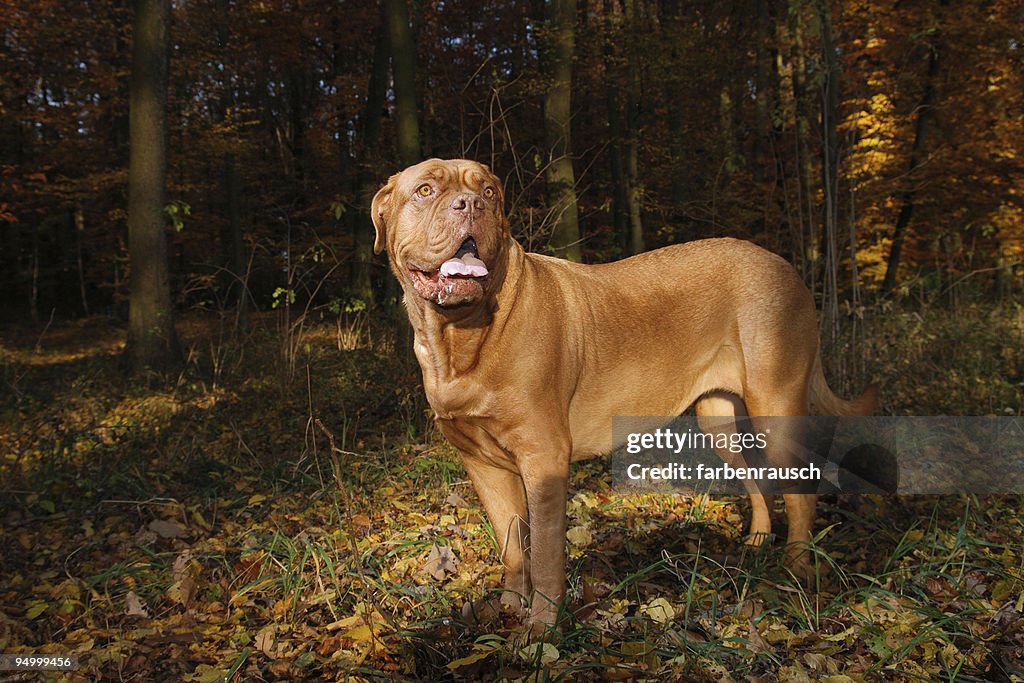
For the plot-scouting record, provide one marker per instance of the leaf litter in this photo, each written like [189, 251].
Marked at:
[192, 533]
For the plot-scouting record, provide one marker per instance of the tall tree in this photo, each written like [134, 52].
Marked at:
[232, 239]
[620, 192]
[403, 68]
[925, 113]
[152, 339]
[634, 195]
[368, 151]
[561, 179]
[403, 65]
[829, 168]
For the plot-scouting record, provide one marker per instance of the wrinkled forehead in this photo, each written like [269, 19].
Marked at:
[450, 174]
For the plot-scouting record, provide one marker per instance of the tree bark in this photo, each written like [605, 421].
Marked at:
[634, 197]
[403, 68]
[795, 99]
[925, 112]
[369, 150]
[829, 173]
[561, 179]
[674, 79]
[152, 339]
[762, 99]
[403, 65]
[232, 240]
[620, 192]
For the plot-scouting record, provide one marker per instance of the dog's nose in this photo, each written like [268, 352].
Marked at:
[467, 202]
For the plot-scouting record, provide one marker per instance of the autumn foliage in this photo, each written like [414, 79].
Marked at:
[808, 127]
[279, 507]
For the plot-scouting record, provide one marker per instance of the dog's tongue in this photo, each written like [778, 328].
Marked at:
[468, 265]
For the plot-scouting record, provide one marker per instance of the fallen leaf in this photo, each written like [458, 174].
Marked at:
[440, 562]
[456, 501]
[134, 606]
[166, 528]
[482, 652]
[543, 653]
[579, 536]
[265, 641]
[35, 608]
[658, 610]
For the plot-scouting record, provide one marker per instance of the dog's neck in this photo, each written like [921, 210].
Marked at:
[449, 340]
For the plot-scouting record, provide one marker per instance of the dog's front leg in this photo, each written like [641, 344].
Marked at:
[504, 498]
[546, 479]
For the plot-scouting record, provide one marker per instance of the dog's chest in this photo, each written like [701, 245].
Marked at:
[457, 398]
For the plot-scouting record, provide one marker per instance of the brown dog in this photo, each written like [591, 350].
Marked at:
[526, 358]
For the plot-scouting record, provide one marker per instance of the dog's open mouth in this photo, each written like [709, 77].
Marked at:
[459, 280]
[464, 263]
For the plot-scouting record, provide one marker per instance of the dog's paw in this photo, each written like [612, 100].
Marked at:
[757, 539]
[541, 630]
[797, 560]
[490, 610]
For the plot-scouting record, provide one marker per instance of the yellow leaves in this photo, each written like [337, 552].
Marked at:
[185, 575]
[35, 608]
[579, 538]
[636, 657]
[659, 610]
[256, 499]
[481, 651]
[540, 653]
[204, 673]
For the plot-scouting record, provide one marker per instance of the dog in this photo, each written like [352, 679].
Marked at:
[526, 358]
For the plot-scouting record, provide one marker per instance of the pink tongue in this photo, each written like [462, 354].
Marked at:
[468, 265]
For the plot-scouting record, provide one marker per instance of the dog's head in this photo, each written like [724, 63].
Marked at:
[444, 227]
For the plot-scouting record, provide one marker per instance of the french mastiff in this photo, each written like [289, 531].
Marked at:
[526, 358]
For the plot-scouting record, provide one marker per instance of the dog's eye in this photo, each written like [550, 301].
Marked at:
[488, 192]
[425, 190]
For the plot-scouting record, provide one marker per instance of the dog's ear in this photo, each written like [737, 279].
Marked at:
[381, 205]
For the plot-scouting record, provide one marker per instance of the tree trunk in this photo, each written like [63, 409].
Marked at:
[676, 107]
[152, 339]
[79, 261]
[925, 112]
[232, 240]
[829, 173]
[369, 150]
[796, 91]
[561, 180]
[620, 192]
[634, 196]
[403, 65]
[762, 99]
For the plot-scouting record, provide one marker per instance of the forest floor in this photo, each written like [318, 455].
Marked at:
[283, 510]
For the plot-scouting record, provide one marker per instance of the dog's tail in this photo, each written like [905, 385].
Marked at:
[827, 403]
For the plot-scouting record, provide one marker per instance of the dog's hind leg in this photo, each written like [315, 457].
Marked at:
[717, 413]
[782, 419]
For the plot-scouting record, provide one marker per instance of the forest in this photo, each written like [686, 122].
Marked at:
[217, 459]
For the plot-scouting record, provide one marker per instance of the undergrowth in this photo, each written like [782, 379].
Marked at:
[241, 523]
